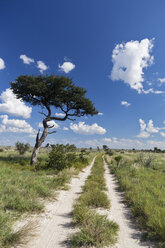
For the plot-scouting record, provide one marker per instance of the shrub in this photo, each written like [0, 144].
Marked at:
[145, 161]
[59, 158]
[118, 159]
[22, 148]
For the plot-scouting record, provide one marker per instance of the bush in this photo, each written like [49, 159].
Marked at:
[22, 148]
[59, 158]
[145, 161]
[118, 159]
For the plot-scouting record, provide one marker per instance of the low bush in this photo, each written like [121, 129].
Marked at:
[22, 148]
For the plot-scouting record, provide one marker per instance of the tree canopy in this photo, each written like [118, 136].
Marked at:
[52, 92]
[56, 91]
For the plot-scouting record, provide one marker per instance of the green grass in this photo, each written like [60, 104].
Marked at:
[95, 230]
[145, 193]
[22, 187]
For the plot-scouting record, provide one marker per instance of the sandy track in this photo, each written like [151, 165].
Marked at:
[129, 235]
[55, 224]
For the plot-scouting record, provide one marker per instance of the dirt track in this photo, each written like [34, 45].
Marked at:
[129, 235]
[55, 223]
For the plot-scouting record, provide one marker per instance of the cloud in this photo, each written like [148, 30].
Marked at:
[11, 105]
[125, 103]
[26, 60]
[161, 80]
[150, 127]
[100, 113]
[15, 125]
[51, 123]
[66, 67]
[107, 140]
[41, 66]
[65, 128]
[129, 59]
[153, 91]
[2, 64]
[162, 134]
[147, 129]
[60, 114]
[83, 128]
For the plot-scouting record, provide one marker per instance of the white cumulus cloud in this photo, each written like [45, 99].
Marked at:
[50, 123]
[125, 103]
[65, 128]
[2, 64]
[60, 114]
[11, 105]
[15, 125]
[41, 66]
[161, 80]
[66, 67]
[129, 59]
[26, 59]
[100, 113]
[83, 128]
[147, 129]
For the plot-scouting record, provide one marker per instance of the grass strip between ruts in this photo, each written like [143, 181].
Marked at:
[94, 229]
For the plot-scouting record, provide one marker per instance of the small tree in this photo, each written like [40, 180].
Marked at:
[105, 147]
[52, 92]
[118, 159]
[22, 148]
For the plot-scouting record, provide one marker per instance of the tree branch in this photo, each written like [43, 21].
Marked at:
[42, 114]
[51, 132]
[37, 137]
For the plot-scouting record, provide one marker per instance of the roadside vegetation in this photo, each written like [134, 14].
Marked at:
[23, 186]
[94, 229]
[141, 176]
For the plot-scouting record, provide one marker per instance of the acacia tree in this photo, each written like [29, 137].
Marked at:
[50, 93]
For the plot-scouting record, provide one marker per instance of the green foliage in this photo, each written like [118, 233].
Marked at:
[105, 147]
[60, 158]
[54, 91]
[145, 160]
[22, 148]
[109, 152]
[118, 159]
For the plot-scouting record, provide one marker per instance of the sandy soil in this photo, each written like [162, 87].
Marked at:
[55, 223]
[129, 235]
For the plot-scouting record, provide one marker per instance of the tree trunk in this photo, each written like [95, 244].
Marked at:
[38, 144]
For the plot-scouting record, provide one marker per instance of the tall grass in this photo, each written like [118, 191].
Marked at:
[145, 193]
[22, 188]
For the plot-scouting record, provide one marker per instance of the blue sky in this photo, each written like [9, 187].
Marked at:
[77, 39]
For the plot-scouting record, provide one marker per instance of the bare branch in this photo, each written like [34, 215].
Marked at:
[51, 132]
[42, 114]
[71, 119]
[51, 126]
